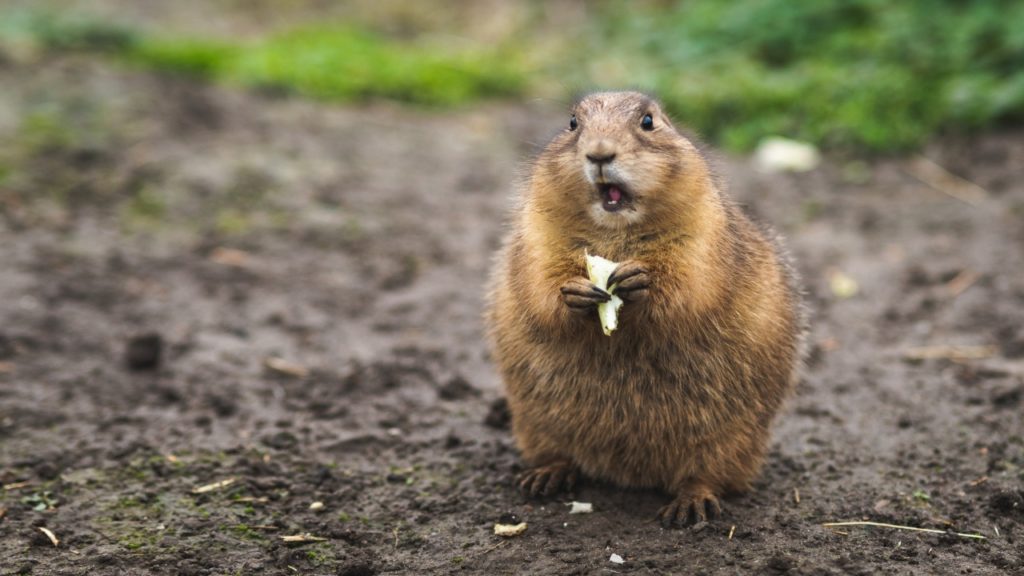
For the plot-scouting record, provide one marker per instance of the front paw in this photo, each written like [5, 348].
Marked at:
[581, 295]
[630, 281]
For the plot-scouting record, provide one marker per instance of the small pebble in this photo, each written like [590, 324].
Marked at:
[143, 352]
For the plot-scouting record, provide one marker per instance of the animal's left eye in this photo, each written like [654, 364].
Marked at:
[647, 123]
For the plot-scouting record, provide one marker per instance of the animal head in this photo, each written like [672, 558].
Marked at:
[621, 162]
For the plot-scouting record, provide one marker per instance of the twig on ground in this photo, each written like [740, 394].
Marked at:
[899, 527]
[286, 367]
[250, 500]
[962, 281]
[302, 538]
[732, 530]
[938, 178]
[950, 352]
[796, 495]
[101, 534]
[214, 486]
[231, 257]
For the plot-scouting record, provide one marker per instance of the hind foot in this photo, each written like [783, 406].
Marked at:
[549, 479]
[694, 503]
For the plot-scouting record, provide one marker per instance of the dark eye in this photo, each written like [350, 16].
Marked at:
[573, 123]
[647, 123]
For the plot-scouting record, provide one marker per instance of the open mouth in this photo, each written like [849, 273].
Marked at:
[614, 197]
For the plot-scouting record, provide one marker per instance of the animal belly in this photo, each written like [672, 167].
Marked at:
[632, 431]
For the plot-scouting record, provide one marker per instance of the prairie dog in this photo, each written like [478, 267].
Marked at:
[681, 397]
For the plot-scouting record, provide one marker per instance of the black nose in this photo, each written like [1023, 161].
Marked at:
[601, 158]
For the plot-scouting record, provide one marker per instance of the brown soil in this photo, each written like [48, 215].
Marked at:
[161, 240]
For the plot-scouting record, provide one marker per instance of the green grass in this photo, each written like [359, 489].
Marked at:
[851, 74]
[329, 62]
[340, 63]
[865, 74]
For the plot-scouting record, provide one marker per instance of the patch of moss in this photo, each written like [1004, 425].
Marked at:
[247, 532]
[145, 210]
[320, 554]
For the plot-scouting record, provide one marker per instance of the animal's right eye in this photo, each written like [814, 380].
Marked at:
[573, 123]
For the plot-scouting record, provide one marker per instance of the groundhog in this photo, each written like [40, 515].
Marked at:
[682, 395]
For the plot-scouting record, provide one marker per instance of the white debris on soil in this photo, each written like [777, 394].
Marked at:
[509, 530]
[316, 506]
[777, 154]
[580, 507]
[49, 534]
[301, 538]
[214, 486]
[841, 284]
[286, 367]
[615, 558]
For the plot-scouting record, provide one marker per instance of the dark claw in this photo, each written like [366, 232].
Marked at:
[580, 294]
[580, 304]
[624, 271]
[592, 292]
[631, 281]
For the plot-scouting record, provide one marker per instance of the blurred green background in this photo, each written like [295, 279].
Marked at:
[861, 75]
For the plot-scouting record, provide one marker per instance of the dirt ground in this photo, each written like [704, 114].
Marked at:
[203, 285]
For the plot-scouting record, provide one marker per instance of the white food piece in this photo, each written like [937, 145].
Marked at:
[509, 530]
[777, 154]
[599, 269]
[615, 558]
[580, 507]
[316, 506]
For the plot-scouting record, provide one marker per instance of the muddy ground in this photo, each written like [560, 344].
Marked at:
[348, 246]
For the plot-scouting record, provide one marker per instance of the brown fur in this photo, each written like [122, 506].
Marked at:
[682, 395]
